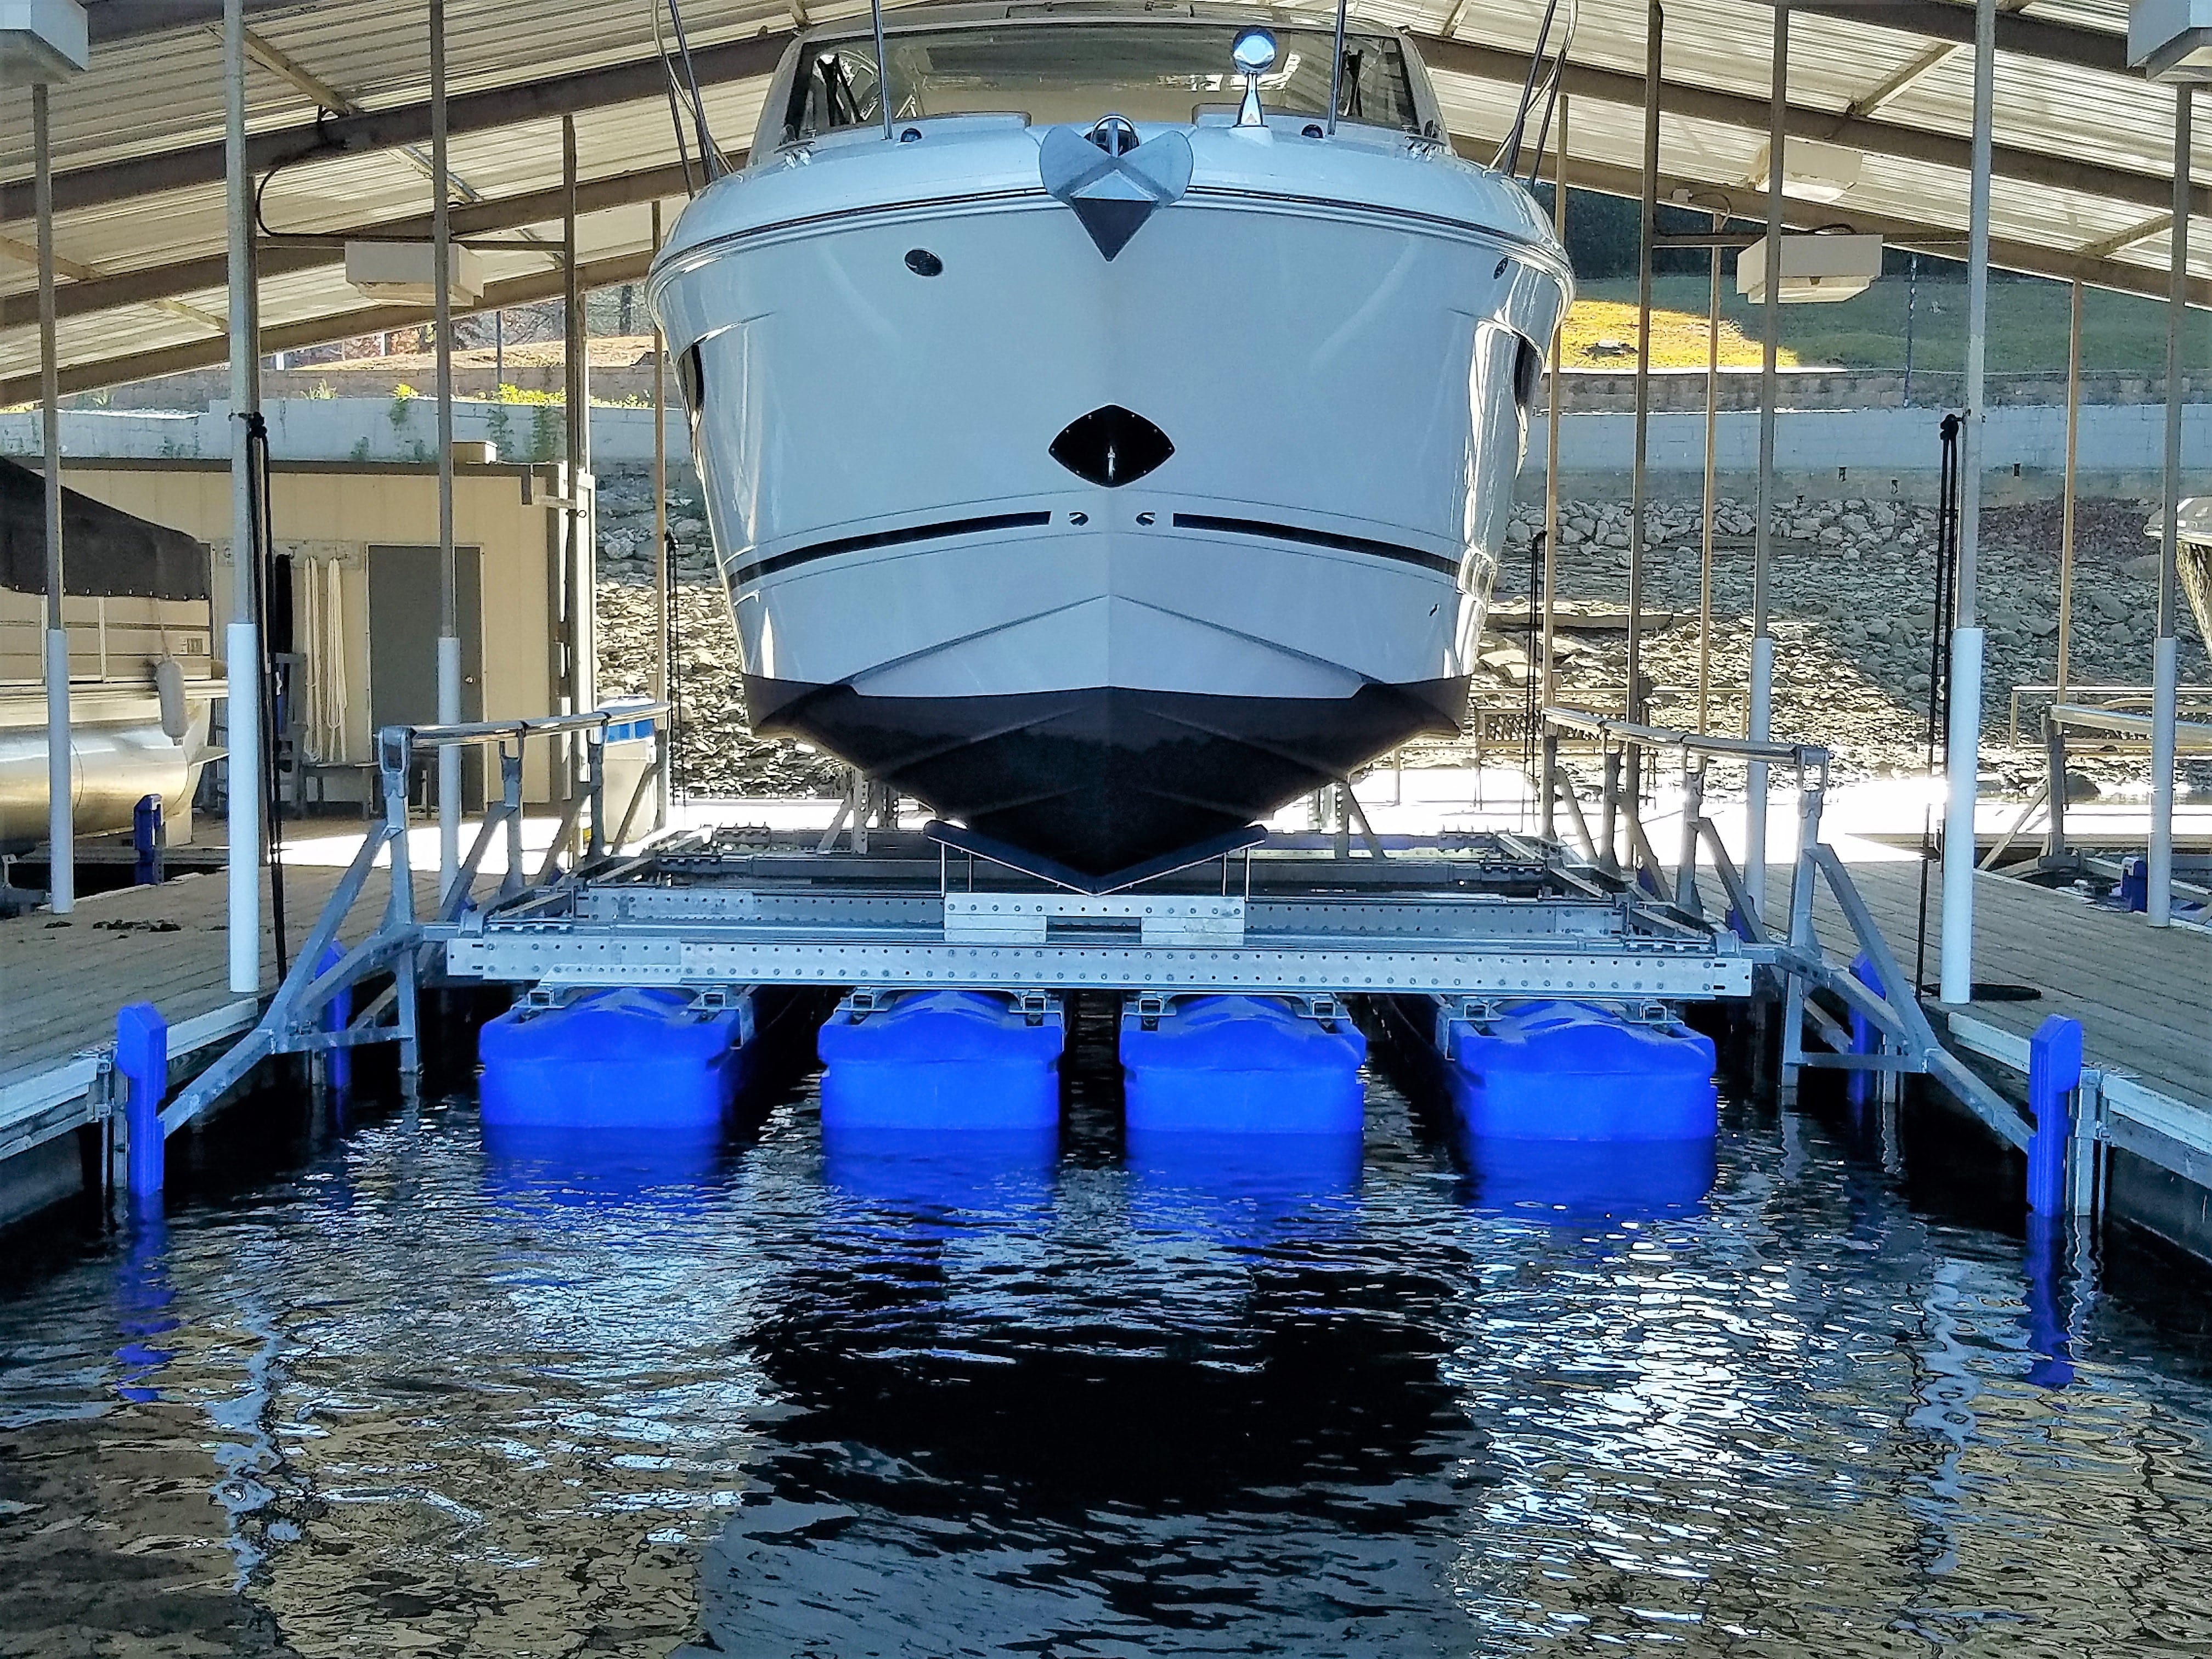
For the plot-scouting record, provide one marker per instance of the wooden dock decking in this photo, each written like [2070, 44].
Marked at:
[2143, 994]
[61, 978]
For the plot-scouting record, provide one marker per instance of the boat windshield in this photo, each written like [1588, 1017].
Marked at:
[1076, 72]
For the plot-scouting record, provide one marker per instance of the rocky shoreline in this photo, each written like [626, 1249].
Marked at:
[1851, 603]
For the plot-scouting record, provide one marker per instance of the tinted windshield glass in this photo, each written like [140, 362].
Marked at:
[1061, 72]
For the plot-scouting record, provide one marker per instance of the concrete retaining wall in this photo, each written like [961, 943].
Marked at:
[1869, 452]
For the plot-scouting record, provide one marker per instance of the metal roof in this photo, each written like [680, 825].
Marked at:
[338, 106]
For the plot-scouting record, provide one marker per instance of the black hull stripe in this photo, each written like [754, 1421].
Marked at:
[1291, 532]
[919, 532]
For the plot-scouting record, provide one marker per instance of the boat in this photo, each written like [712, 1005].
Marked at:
[1105, 444]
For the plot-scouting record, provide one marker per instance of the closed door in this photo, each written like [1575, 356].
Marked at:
[403, 635]
[403, 648]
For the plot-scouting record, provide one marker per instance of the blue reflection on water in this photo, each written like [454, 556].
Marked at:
[446, 1392]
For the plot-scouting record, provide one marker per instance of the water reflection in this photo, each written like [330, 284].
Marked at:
[1571, 1182]
[435, 1393]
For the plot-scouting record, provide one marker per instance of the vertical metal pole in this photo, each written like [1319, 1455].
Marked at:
[1760, 724]
[883, 66]
[61, 778]
[1554, 388]
[1956, 971]
[1655, 25]
[663, 599]
[242, 643]
[449, 607]
[1712, 461]
[2164, 662]
[1336, 71]
[399, 913]
[578, 571]
[2066, 514]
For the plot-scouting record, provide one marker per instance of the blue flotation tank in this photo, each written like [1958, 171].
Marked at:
[1578, 1070]
[639, 1057]
[1241, 1064]
[941, 1059]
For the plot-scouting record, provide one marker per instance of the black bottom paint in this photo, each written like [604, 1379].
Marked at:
[1101, 780]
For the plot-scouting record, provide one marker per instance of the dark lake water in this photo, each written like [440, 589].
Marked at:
[398, 1393]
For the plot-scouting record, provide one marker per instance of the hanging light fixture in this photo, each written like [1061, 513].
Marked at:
[2171, 39]
[41, 40]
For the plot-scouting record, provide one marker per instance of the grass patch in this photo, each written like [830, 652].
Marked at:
[2027, 327]
[1601, 334]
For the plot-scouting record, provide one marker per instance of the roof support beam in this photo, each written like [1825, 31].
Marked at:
[2037, 37]
[26, 305]
[325, 96]
[1747, 115]
[279, 256]
[320, 331]
[1741, 201]
[369, 131]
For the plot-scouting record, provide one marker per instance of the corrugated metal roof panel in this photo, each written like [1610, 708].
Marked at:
[162, 93]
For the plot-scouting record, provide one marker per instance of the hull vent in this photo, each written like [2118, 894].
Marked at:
[1111, 446]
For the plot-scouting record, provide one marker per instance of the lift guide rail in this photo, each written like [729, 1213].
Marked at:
[1488, 917]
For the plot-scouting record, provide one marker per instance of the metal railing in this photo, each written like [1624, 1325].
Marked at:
[301, 1017]
[2111, 728]
[2188, 699]
[1873, 987]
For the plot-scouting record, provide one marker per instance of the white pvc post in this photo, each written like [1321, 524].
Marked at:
[1760, 723]
[1964, 757]
[449, 626]
[61, 779]
[241, 639]
[2165, 660]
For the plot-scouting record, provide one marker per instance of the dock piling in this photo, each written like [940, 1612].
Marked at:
[2054, 1075]
[142, 1058]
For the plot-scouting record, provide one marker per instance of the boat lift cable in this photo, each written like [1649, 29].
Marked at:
[710, 159]
[263, 554]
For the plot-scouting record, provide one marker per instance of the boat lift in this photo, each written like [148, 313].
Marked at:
[1483, 918]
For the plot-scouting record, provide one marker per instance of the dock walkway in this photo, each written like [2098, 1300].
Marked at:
[2143, 994]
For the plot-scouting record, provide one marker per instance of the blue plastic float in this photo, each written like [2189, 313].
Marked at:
[642, 1057]
[1579, 1072]
[1241, 1064]
[941, 1061]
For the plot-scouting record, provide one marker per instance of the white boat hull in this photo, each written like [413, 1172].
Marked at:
[1094, 670]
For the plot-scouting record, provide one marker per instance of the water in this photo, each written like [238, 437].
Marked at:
[393, 1396]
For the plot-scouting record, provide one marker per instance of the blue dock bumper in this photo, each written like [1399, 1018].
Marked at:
[942, 1059]
[636, 1057]
[1241, 1064]
[1577, 1072]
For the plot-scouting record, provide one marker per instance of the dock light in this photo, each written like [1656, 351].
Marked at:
[1812, 268]
[1811, 171]
[41, 40]
[406, 273]
[2171, 39]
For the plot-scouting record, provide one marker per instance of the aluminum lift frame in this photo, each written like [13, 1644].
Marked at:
[1485, 919]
